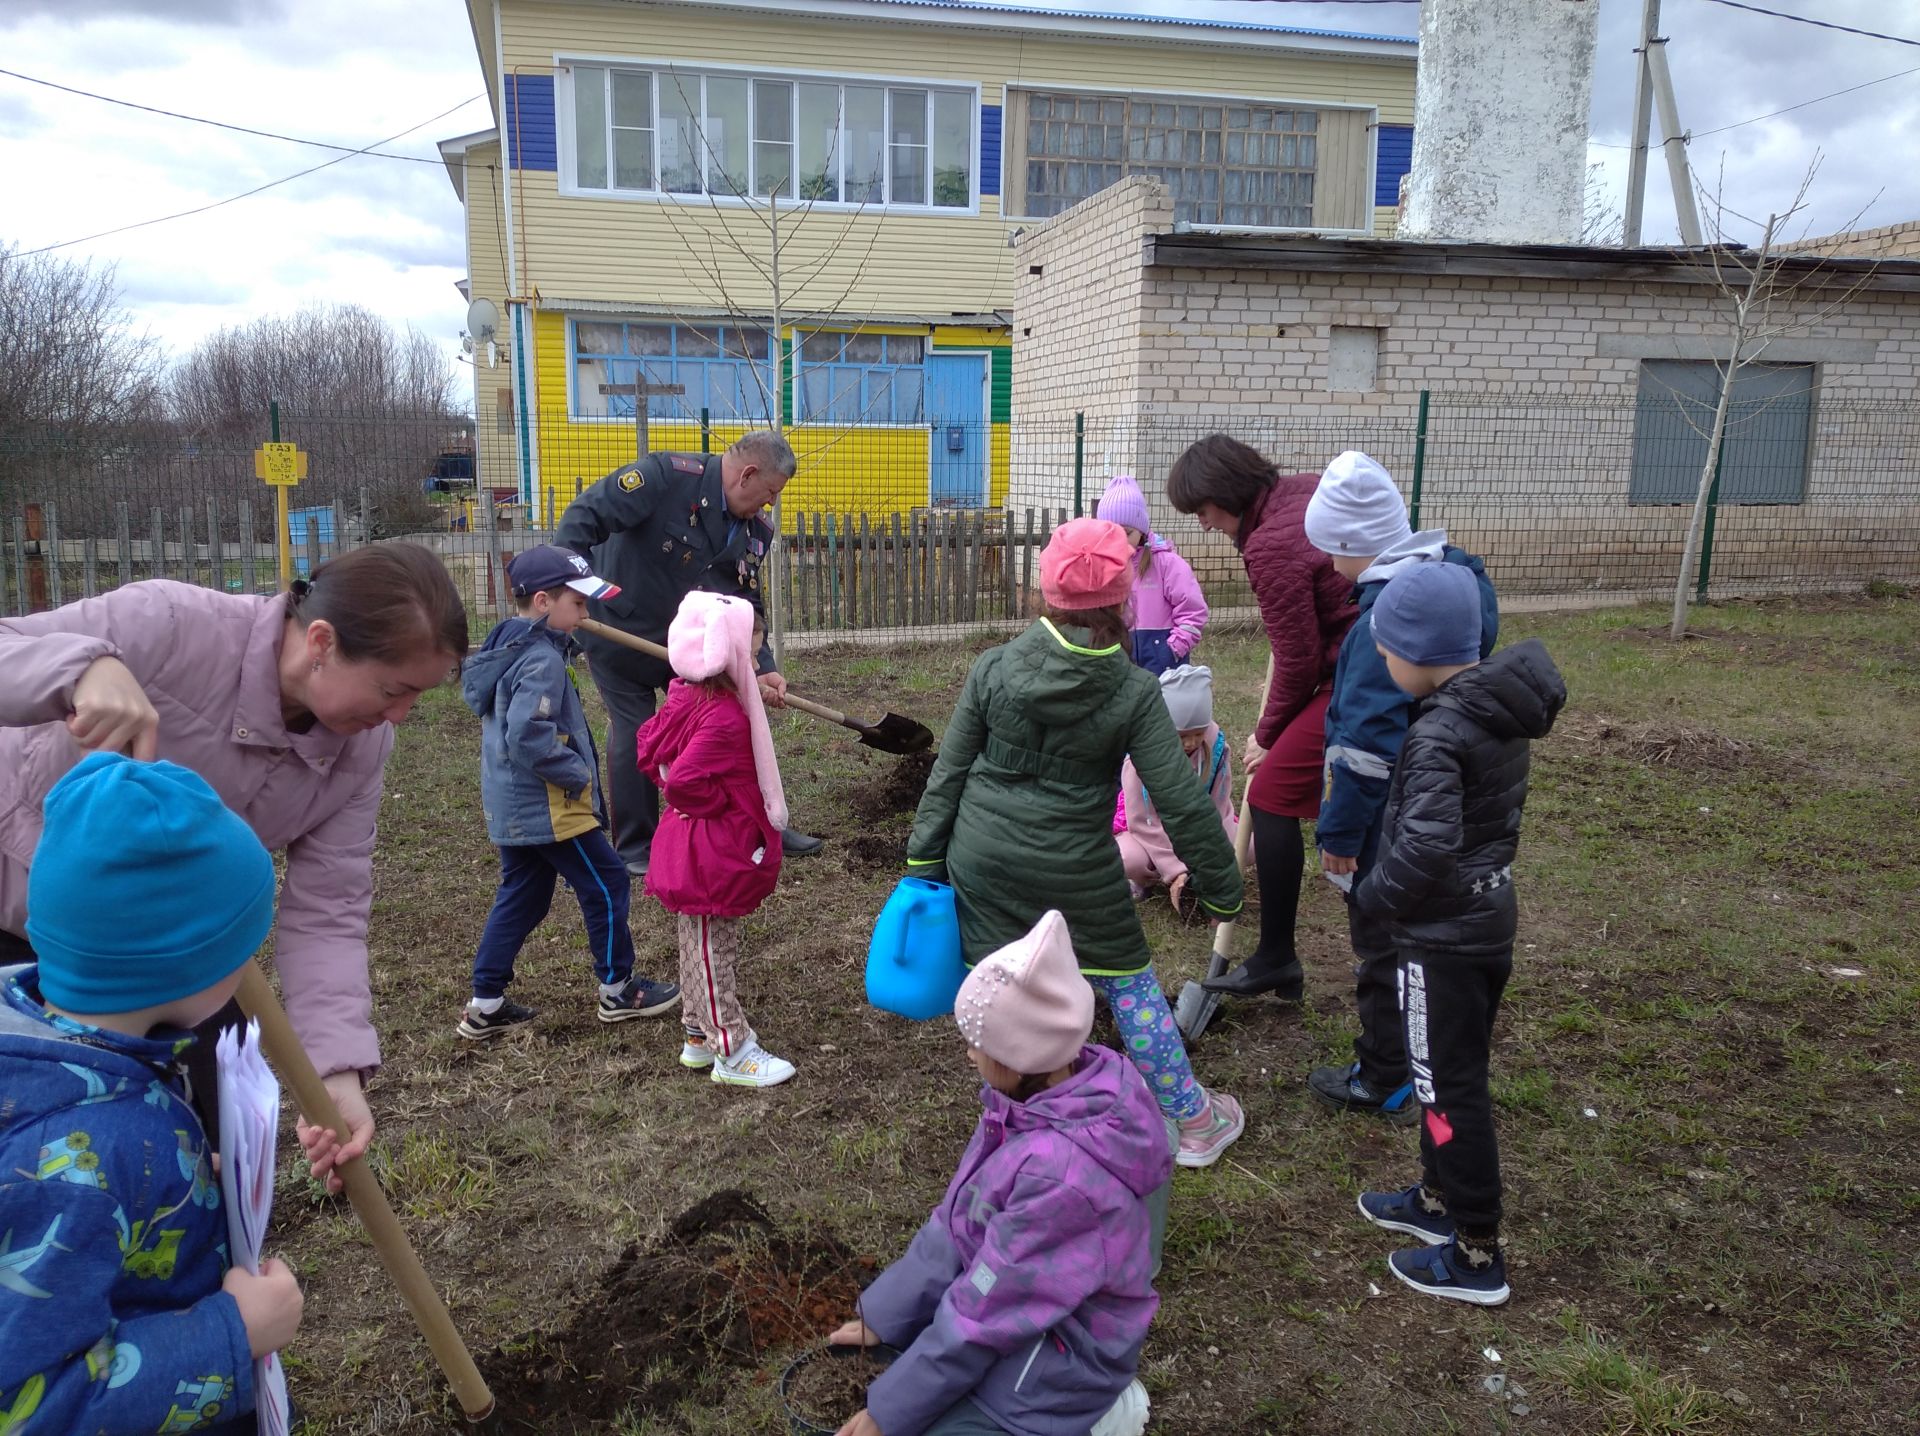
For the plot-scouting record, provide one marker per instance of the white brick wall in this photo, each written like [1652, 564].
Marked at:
[1156, 357]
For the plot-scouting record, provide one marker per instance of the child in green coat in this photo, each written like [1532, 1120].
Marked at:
[1018, 811]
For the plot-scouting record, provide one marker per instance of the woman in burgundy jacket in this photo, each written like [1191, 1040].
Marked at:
[1307, 609]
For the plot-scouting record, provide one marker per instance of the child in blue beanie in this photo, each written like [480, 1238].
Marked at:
[1442, 881]
[118, 1309]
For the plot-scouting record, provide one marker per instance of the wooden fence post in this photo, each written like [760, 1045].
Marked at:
[157, 554]
[25, 574]
[186, 545]
[50, 546]
[313, 546]
[89, 567]
[248, 572]
[123, 535]
[216, 547]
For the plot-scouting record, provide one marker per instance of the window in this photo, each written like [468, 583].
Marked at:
[1225, 162]
[674, 131]
[860, 379]
[727, 370]
[1768, 435]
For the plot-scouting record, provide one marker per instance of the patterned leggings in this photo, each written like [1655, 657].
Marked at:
[1152, 1041]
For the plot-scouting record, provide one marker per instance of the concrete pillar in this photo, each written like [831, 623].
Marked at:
[1500, 121]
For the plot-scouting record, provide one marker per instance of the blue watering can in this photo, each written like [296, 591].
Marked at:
[913, 962]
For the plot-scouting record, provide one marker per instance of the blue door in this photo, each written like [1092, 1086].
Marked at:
[957, 413]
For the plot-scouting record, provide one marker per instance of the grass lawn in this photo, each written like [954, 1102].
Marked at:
[1707, 1075]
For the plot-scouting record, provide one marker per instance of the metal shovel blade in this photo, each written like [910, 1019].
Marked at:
[894, 734]
[1195, 1007]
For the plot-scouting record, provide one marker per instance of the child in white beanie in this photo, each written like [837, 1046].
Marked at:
[1357, 517]
[1145, 849]
[1023, 1303]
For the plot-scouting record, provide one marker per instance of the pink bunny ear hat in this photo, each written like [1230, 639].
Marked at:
[712, 635]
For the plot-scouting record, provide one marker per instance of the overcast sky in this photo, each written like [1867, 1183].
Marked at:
[387, 234]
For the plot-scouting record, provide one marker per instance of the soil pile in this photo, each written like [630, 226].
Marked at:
[722, 1286]
[884, 809]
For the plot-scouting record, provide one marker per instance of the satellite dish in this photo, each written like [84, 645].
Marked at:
[483, 321]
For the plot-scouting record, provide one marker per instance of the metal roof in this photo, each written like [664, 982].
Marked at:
[1194, 21]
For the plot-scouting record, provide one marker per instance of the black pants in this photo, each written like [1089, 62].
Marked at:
[1381, 1047]
[634, 800]
[200, 1064]
[1451, 999]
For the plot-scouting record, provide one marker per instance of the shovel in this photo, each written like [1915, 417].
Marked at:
[1195, 1007]
[892, 734]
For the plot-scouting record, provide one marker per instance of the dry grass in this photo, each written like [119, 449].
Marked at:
[1712, 1141]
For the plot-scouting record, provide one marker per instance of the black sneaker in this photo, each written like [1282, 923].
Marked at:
[1402, 1212]
[478, 1026]
[1344, 1090]
[639, 998]
[1443, 1271]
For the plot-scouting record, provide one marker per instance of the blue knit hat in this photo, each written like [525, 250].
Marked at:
[144, 888]
[1429, 615]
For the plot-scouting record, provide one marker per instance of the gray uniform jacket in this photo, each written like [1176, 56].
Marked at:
[660, 529]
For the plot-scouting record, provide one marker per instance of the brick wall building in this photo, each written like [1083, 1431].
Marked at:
[1887, 241]
[1566, 385]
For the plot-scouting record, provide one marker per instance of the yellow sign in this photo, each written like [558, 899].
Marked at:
[282, 465]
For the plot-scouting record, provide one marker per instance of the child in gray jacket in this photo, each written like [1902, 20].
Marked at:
[540, 782]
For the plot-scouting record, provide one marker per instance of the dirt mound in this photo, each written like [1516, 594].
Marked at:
[723, 1285]
[897, 791]
[1678, 746]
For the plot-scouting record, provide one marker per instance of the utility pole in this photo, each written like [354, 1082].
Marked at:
[1642, 118]
[1676, 143]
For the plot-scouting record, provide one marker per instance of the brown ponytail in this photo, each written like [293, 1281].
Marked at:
[386, 602]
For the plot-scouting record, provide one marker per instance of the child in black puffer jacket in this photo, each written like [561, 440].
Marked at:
[1444, 882]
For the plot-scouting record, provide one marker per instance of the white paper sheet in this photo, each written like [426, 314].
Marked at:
[249, 1127]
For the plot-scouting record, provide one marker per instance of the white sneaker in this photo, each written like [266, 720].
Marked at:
[696, 1055]
[753, 1067]
[1127, 1416]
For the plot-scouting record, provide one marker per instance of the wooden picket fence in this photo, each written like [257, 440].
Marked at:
[927, 568]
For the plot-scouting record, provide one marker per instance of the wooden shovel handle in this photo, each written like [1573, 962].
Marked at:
[644, 645]
[396, 1253]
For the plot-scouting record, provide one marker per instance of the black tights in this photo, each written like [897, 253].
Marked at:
[1279, 854]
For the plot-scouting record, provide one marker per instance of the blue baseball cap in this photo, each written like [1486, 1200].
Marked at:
[550, 566]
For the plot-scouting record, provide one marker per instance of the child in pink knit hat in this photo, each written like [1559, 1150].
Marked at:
[1018, 810]
[1168, 610]
[1024, 1301]
[716, 854]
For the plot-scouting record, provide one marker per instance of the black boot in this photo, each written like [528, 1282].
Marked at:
[796, 844]
[1255, 977]
[1279, 854]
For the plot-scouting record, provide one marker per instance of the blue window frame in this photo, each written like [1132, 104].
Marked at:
[860, 379]
[727, 369]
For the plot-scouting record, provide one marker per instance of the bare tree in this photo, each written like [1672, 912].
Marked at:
[340, 359]
[71, 360]
[1762, 301]
[1601, 224]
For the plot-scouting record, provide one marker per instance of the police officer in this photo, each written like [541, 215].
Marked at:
[661, 528]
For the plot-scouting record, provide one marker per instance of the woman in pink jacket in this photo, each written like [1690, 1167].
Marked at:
[716, 853]
[285, 705]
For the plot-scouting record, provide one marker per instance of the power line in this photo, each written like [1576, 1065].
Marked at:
[1770, 114]
[1721, 129]
[1809, 20]
[217, 124]
[247, 194]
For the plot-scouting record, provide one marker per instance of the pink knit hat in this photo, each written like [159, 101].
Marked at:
[711, 635]
[1088, 563]
[1027, 1004]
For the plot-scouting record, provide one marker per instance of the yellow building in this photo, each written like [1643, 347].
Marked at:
[804, 210]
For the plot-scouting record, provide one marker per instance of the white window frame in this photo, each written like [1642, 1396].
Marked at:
[1028, 85]
[662, 71]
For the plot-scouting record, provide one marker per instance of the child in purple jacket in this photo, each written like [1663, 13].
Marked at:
[1022, 1304]
[1168, 609]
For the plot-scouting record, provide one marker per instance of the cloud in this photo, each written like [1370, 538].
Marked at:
[174, 12]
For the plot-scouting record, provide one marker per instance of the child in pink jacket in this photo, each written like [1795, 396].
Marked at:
[1023, 1302]
[716, 854]
[1145, 849]
[1168, 608]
